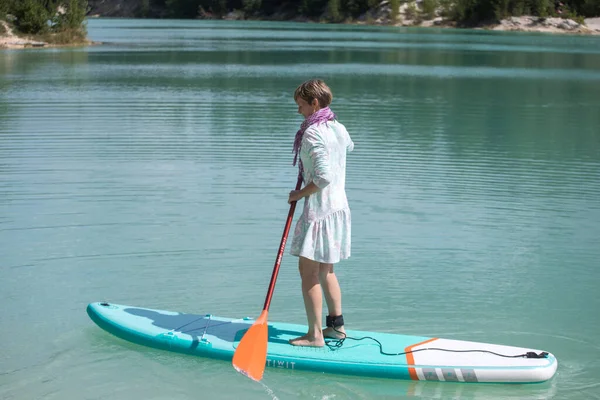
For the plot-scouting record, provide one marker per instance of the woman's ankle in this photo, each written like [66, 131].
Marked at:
[334, 321]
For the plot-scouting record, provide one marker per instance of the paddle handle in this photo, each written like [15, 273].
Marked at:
[286, 230]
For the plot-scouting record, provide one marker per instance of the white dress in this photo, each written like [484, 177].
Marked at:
[323, 231]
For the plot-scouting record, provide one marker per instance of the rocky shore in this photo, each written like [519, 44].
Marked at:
[549, 25]
[9, 40]
[381, 15]
[409, 17]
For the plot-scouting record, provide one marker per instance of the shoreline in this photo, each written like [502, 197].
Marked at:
[413, 17]
[9, 41]
[591, 26]
[530, 24]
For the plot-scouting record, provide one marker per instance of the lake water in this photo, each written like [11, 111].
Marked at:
[153, 170]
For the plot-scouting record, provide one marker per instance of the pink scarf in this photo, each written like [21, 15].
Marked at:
[323, 115]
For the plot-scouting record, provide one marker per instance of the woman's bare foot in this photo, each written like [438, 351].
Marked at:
[308, 341]
[338, 333]
[298, 338]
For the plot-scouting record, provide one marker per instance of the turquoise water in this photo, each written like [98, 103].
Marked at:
[153, 170]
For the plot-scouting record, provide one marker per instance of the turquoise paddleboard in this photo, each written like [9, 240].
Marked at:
[421, 358]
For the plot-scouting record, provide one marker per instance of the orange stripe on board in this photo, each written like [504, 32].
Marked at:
[410, 358]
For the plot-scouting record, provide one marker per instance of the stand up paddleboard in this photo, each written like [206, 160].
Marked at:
[383, 355]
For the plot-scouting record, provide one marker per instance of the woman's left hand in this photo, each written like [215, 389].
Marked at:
[294, 196]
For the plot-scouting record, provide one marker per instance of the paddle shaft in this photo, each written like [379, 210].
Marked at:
[286, 230]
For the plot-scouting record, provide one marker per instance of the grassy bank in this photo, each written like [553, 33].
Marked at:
[65, 37]
[26, 23]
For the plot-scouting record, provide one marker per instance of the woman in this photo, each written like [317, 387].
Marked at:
[322, 234]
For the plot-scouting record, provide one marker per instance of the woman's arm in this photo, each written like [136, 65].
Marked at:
[320, 159]
[306, 191]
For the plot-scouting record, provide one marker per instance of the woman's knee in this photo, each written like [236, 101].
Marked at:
[308, 268]
[324, 270]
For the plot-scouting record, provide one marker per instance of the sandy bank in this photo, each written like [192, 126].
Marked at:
[11, 41]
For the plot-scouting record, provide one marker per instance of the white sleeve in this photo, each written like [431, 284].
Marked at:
[319, 154]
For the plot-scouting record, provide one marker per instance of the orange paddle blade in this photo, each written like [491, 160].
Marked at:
[251, 354]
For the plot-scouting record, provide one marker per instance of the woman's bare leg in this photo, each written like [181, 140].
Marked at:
[333, 297]
[313, 303]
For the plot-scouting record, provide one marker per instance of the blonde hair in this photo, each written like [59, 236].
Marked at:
[314, 89]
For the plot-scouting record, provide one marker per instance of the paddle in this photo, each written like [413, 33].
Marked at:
[251, 354]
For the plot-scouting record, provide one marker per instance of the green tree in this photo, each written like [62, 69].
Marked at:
[473, 11]
[31, 16]
[219, 7]
[144, 9]
[347, 7]
[333, 7]
[541, 7]
[312, 8]
[73, 17]
[182, 8]
[590, 8]
[429, 7]
[501, 9]
[5, 5]
[268, 7]
[395, 10]
[251, 6]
